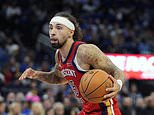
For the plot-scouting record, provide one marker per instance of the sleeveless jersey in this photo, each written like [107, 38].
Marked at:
[71, 72]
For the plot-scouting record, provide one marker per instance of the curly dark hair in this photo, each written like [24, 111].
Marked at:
[78, 33]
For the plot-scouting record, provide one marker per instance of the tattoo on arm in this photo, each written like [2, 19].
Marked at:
[53, 77]
[97, 59]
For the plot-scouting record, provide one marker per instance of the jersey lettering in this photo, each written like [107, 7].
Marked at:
[68, 72]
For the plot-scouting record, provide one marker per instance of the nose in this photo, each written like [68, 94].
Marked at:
[52, 32]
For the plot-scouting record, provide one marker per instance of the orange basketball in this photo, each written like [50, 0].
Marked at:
[93, 85]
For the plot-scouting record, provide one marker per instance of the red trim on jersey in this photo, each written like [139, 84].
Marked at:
[73, 76]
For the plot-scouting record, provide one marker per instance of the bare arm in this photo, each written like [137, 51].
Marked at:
[97, 59]
[52, 77]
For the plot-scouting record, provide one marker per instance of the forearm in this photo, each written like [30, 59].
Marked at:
[53, 77]
[45, 76]
[119, 74]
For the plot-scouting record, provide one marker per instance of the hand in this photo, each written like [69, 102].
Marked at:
[29, 73]
[113, 90]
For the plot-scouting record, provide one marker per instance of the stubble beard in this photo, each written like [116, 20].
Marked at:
[58, 45]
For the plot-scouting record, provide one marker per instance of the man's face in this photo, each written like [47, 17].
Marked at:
[59, 34]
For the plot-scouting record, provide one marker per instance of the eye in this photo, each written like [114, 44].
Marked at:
[50, 27]
[59, 27]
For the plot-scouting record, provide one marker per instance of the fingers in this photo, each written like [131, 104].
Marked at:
[110, 89]
[23, 76]
[113, 90]
[112, 78]
[113, 93]
[110, 95]
[27, 73]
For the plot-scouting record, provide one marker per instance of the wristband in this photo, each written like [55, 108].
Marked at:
[120, 83]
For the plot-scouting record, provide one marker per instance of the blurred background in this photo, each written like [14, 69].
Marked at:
[117, 27]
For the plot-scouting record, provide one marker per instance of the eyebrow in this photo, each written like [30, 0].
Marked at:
[56, 24]
[59, 25]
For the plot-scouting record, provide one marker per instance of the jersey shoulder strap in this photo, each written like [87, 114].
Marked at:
[71, 54]
[74, 51]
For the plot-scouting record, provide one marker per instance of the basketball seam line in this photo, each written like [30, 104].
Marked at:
[95, 97]
[89, 83]
[82, 86]
[97, 87]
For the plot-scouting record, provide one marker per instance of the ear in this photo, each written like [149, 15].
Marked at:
[71, 33]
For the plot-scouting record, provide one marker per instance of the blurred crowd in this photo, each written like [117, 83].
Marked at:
[114, 26]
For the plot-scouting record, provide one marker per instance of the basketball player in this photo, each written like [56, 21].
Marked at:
[73, 59]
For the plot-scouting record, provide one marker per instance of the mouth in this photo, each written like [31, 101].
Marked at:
[54, 41]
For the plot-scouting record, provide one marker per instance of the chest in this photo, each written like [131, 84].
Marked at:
[69, 70]
[77, 61]
[72, 67]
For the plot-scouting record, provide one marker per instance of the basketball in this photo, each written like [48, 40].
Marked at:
[93, 85]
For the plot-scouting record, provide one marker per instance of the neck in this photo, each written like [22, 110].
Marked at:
[67, 46]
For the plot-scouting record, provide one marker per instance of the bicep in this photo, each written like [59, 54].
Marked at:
[98, 60]
[104, 63]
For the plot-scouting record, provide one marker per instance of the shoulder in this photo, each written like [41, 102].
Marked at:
[87, 47]
[87, 52]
